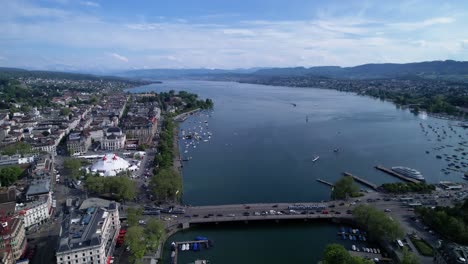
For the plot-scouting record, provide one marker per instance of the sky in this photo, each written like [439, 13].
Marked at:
[114, 35]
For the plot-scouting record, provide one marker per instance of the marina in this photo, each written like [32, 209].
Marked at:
[195, 245]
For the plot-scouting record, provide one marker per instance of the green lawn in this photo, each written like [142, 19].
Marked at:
[422, 247]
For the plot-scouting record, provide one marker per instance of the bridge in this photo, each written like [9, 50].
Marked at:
[259, 212]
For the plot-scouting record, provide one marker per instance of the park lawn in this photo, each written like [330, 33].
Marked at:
[422, 247]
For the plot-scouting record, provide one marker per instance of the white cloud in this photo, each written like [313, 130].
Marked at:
[424, 23]
[90, 3]
[119, 57]
[170, 43]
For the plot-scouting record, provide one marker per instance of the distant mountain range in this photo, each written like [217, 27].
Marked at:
[448, 69]
[177, 73]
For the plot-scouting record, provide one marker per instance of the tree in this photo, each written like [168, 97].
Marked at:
[409, 258]
[166, 184]
[379, 225]
[133, 216]
[9, 175]
[121, 187]
[65, 111]
[17, 148]
[135, 240]
[73, 167]
[344, 188]
[155, 232]
[337, 254]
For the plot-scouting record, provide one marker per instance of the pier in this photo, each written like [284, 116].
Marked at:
[361, 180]
[177, 244]
[325, 182]
[398, 175]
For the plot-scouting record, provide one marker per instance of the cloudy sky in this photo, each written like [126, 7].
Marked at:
[116, 35]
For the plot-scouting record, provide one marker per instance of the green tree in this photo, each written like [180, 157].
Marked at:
[65, 111]
[379, 225]
[337, 254]
[8, 175]
[409, 258]
[133, 216]
[166, 184]
[155, 232]
[17, 148]
[72, 166]
[344, 188]
[135, 240]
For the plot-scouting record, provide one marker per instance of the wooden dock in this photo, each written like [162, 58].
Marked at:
[361, 180]
[177, 244]
[325, 182]
[398, 175]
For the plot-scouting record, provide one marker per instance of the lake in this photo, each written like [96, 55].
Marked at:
[263, 140]
[262, 146]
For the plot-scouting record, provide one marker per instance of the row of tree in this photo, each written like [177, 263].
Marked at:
[401, 187]
[166, 184]
[450, 222]
[21, 148]
[119, 187]
[141, 239]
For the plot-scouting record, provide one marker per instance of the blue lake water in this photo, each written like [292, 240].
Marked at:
[262, 145]
[261, 150]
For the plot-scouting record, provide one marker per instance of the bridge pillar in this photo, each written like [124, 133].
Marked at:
[186, 225]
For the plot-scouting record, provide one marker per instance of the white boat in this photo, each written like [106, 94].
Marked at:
[316, 158]
[183, 247]
[354, 247]
[187, 246]
[408, 172]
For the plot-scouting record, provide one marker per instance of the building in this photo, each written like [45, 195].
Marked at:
[89, 236]
[35, 212]
[114, 139]
[78, 143]
[12, 239]
[140, 128]
[450, 253]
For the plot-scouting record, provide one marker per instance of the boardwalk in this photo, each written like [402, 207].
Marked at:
[398, 175]
[361, 180]
[184, 116]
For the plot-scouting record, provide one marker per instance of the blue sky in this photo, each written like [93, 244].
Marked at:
[103, 35]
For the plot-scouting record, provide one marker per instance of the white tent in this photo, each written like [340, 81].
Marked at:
[110, 165]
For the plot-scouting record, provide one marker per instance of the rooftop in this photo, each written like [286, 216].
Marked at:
[83, 229]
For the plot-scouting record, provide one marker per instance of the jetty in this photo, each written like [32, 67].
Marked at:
[361, 180]
[326, 182]
[396, 174]
[199, 242]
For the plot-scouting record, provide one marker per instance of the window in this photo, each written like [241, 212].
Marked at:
[83, 254]
[69, 258]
